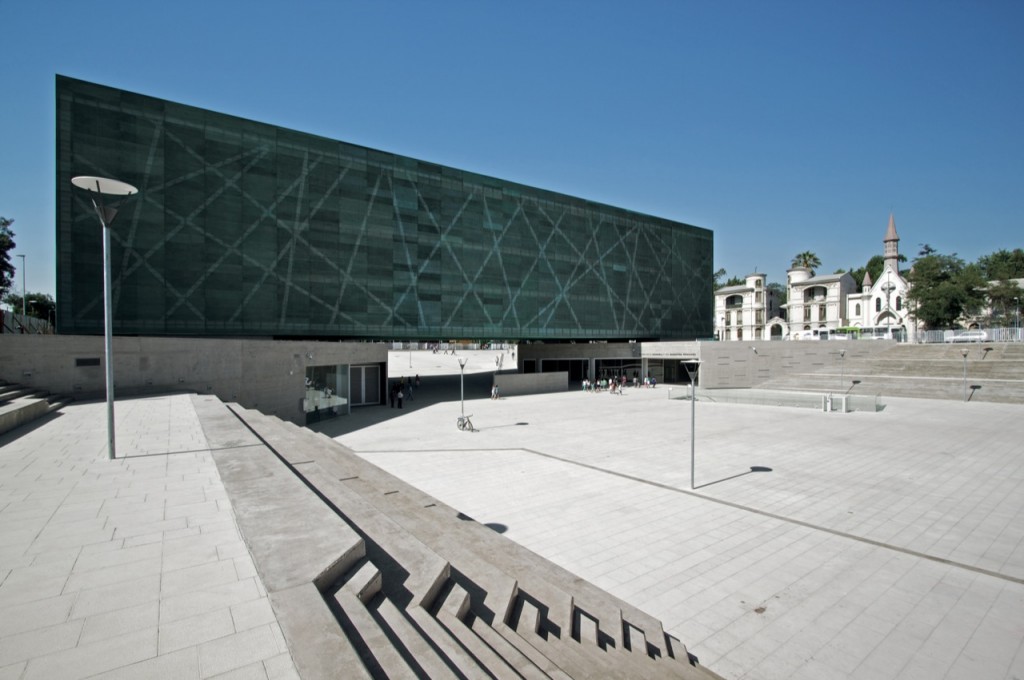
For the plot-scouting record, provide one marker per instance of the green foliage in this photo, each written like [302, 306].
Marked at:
[808, 260]
[944, 288]
[1004, 297]
[1002, 265]
[735, 281]
[781, 295]
[719, 275]
[39, 305]
[6, 246]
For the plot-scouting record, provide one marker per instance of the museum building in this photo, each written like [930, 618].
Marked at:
[243, 229]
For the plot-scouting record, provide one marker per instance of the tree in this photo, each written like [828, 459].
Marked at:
[39, 305]
[735, 281]
[943, 288]
[807, 260]
[1003, 299]
[1002, 265]
[6, 246]
[718, 276]
[780, 292]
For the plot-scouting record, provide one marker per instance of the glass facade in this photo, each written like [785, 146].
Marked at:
[247, 229]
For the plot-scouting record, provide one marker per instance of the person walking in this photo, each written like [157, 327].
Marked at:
[401, 395]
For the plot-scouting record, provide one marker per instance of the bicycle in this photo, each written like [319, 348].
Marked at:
[464, 423]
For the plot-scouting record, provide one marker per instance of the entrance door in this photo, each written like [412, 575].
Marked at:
[365, 385]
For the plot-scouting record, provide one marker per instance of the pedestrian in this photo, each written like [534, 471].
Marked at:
[392, 394]
[494, 391]
[409, 389]
[417, 381]
[401, 396]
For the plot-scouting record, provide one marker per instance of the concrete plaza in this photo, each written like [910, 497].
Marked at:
[878, 545]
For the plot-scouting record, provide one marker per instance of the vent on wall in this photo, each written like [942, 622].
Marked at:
[87, 361]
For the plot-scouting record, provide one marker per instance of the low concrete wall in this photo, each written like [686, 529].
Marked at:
[746, 364]
[512, 384]
[268, 375]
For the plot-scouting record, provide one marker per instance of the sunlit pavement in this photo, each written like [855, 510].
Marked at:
[815, 545]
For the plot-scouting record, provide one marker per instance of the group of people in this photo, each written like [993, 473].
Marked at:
[615, 385]
[402, 389]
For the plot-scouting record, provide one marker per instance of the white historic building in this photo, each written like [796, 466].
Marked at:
[816, 302]
[883, 303]
[746, 312]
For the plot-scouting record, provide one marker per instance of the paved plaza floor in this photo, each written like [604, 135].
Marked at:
[815, 545]
[131, 568]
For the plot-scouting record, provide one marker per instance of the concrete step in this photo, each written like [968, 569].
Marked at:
[434, 654]
[379, 652]
[502, 635]
[22, 410]
[451, 614]
[487, 554]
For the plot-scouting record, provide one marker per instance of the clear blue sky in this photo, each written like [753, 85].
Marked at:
[783, 126]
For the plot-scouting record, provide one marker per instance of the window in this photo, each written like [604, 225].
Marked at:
[878, 304]
[807, 313]
[856, 310]
[822, 310]
[757, 283]
[899, 303]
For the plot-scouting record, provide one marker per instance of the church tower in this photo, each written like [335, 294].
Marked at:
[892, 246]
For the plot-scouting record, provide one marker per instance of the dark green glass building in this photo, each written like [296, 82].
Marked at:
[247, 229]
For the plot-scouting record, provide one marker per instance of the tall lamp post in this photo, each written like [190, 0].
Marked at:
[964, 352]
[462, 385]
[842, 368]
[22, 289]
[693, 373]
[100, 187]
[1016, 312]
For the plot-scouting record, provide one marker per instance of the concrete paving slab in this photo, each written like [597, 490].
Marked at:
[905, 524]
[125, 568]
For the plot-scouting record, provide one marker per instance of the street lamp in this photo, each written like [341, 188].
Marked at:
[842, 368]
[693, 373]
[100, 187]
[22, 290]
[462, 385]
[964, 353]
[1016, 306]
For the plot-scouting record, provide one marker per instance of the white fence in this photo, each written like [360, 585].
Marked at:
[971, 335]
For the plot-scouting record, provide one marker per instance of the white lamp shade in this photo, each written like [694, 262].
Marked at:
[104, 185]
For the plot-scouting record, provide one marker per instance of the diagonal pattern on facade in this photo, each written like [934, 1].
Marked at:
[243, 228]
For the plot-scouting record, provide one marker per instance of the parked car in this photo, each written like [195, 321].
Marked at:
[973, 335]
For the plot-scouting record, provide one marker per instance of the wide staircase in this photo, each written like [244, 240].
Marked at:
[994, 372]
[21, 405]
[372, 578]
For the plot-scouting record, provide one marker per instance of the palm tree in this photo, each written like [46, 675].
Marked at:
[808, 260]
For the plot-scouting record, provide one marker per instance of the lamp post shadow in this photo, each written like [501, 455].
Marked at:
[753, 469]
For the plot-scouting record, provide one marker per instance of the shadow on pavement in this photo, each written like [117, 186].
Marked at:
[755, 468]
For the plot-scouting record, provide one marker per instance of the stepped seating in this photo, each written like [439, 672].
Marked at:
[415, 588]
[922, 371]
[21, 405]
